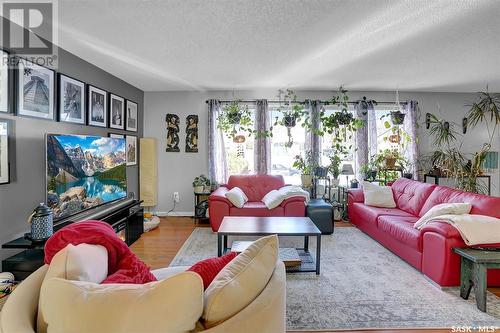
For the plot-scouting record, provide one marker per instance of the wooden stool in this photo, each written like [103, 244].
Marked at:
[474, 265]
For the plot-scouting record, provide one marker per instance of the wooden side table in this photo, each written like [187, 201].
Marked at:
[199, 198]
[474, 266]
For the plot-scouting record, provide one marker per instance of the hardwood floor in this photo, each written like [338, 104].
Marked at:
[158, 247]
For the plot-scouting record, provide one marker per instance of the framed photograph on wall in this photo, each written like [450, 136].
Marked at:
[97, 107]
[116, 112]
[116, 136]
[35, 90]
[71, 100]
[4, 152]
[131, 144]
[4, 82]
[131, 116]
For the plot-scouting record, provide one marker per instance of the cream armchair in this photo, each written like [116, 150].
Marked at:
[266, 314]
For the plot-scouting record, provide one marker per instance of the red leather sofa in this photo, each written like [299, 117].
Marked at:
[429, 250]
[255, 187]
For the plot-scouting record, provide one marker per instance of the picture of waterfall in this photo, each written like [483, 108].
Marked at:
[36, 91]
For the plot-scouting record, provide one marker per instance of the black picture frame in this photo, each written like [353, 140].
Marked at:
[5, 138]
[134, 138]
[83, 106]
[131, 126]
[115, 97]
[21, 64]
[90, 108]
[5, 82]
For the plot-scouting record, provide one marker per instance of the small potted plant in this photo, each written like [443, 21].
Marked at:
[304, 165]
[334, 169]
[199, 184]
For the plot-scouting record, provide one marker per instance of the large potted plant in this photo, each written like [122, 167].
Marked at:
[334, 169]
[305, 166]
[200, 183]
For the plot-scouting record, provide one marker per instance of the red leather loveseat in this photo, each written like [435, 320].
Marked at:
[255, 188]
[429, 250]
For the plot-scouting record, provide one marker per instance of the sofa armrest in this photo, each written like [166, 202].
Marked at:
[220, 195]
[442, 228]
[356, 195]
[292, 199]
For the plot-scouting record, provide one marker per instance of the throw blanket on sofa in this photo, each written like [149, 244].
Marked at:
[474, 229]
[275, 197]
[123, 265]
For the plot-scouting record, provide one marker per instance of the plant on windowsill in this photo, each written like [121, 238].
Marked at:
[292, 112]
[305, 165]
[200, 183]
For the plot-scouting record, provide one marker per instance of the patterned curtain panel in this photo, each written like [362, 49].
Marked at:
[372, 130]
[262, 148]
[361, 141]
[217, 164]
[410, 127]
[313, 141]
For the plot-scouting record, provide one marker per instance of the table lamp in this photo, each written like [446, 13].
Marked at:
[347, 170]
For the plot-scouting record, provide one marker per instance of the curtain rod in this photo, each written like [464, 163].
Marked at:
[302, 102]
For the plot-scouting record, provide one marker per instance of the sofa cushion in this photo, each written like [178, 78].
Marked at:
[378, 196]
[256, 186]
[236, 196]
[209, 268]
[241, 281]
[411, 195]
[401, 228]
[256, 208]
[371, 214]
[171, 305]
[273, 199]
[481, 204]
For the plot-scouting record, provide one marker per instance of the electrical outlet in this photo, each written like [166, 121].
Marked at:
[177, 197]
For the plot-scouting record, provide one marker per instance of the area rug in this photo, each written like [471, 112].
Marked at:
[362, 285]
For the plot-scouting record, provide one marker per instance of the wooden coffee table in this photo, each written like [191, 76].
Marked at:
[281, 226]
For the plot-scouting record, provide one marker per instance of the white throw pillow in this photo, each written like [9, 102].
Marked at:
[273, 199]
[457, 208]
[241, 281]
[236, 196]
[378, 196]
[83, 262]
[173, 305]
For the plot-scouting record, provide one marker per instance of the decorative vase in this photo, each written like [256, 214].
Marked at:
[42, 223]
[397, 117]
[306, 180]
[198, 189]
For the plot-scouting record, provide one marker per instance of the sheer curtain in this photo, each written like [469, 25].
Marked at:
[410, 127]
[217, 165]
[372, 131]
[312, 139]
[361, 141]
[262, 150]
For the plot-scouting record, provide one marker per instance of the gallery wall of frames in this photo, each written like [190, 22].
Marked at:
[42, 93]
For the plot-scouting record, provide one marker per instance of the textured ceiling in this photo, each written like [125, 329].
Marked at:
[424, 45]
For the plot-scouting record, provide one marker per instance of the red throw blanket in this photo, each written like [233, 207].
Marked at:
[123, 265]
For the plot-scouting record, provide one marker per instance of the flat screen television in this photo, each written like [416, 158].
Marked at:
[84, 172]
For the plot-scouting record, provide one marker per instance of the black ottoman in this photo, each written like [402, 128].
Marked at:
[321, 213]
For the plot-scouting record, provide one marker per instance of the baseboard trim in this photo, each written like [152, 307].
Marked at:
[190, 214]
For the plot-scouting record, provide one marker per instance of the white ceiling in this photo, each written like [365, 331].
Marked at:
[421, 45]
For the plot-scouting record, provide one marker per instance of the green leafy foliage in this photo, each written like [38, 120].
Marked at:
[201, 180]
[117, 173]
[304, 164]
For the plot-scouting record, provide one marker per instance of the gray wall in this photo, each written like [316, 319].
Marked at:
[27, 187]
[177, 170]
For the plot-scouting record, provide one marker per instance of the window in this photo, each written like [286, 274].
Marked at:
[240, 155]
[327, 151]
[282, 157]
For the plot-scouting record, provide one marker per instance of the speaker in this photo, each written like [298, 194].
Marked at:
[148, 172]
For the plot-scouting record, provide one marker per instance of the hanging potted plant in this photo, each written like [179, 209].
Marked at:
[305, 166]
[292, 112]
[234, 119]
[397, 117]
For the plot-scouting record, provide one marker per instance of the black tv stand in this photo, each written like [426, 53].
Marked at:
[126, 217]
